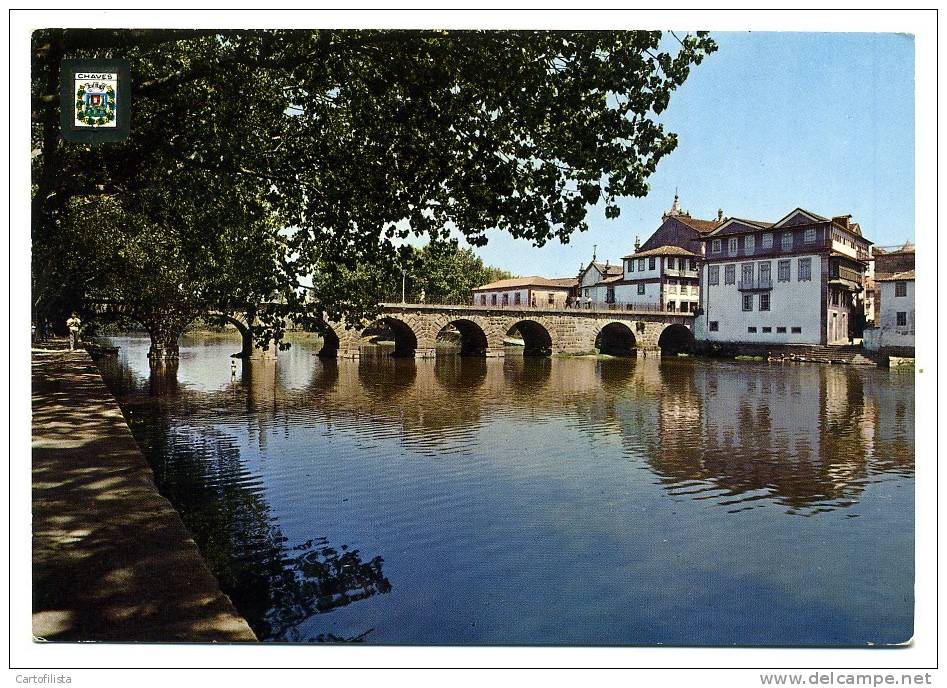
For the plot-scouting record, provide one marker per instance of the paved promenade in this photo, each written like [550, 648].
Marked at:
[112, 559]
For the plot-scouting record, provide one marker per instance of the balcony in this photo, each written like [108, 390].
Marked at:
[849, 275]
[677, 272]
[761, 284]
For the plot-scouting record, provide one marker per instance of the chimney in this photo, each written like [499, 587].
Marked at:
[720, 215]
[637, 242]
[842, 220]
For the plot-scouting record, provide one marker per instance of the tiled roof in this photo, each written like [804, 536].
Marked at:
[534, 281]
[702, 226]
[754, 226]
[608, 269]
[906, 275]
[564, 281]
[662, 251]
[815, 215]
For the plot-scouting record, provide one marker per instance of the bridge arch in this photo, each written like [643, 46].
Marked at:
[473, 339]
[536, 338]
[406, 340]
[676, 339]
[616, 339]
[246, 337]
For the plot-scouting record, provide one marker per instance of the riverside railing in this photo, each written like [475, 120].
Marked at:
[580, 305]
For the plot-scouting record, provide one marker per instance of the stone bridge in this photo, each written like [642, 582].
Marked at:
[483, 329]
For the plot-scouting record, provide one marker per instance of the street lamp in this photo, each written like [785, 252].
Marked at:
[403, 277]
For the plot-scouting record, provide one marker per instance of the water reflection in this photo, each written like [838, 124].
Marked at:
[487, 466]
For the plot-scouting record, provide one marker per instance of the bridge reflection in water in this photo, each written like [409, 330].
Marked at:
[539, 500]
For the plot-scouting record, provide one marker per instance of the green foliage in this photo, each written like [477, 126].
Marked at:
[354, 141]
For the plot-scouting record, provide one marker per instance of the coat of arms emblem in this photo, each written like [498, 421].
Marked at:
[96, 100]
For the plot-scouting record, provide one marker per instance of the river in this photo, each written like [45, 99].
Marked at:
[646, 501]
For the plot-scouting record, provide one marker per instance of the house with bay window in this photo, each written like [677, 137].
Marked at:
[795, 281]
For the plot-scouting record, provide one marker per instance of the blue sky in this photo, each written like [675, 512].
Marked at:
[769, 122]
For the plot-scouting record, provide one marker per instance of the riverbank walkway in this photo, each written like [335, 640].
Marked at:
[112, 559]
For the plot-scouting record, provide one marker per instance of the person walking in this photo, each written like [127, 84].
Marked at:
[73, 324]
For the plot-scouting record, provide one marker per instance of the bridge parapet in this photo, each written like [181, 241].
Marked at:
[482, 329]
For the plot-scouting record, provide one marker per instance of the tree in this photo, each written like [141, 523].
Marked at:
[444, 271]
[357, 140]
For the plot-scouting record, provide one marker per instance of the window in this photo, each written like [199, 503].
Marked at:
[782, 273]
[550, 298]
[902, 318]
[651, 263]
[834, 298]
[631, 265]
[797, 330]
[780, 330]
[729, 274]
[805, 269]
[493, 299]
[749, 244]
[900, 288]
[670, 306]
[713, 274]
[787, 241]
[585, 292]
[506, 299]
[641, 288]
[767, 241]
[764, 302]
[732, 246]
[751, 330]
[672, 287]
[746, 273]
[715, 246]
[641, 263]
[809, 235]
[748, 302]
[765, 273]
[516, 299]
[714, 326]
[767, 330]
[483, 299]
[693, 265]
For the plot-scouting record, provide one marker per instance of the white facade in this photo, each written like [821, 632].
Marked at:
[629, 293]
[523, 296]
[795, 306]
[896, 326]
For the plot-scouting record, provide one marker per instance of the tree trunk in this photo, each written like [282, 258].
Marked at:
[246, 350]
[164, 342]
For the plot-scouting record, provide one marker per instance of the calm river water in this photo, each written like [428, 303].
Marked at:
[578, 501]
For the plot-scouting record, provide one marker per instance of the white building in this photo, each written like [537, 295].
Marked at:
[796, 281]
[663, 273]
[662, 278]
[532, 291]
[894, 333]
[591, 280]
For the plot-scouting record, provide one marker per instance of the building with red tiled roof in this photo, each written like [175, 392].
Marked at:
[678, 228]
[795, 281]
[526, 291]
[662, 273]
